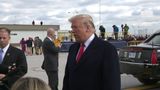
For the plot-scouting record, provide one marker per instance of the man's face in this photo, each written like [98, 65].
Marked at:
[51, 32]
[4, 39]
[79, 31]
[53, 36]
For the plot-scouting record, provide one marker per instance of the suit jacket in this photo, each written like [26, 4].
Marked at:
[50, 52]
[17, 57]
[98, 68]
[3, 69]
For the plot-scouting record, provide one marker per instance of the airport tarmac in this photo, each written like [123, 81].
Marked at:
[34, 67]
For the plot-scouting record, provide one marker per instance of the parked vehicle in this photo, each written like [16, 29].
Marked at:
[142, 60]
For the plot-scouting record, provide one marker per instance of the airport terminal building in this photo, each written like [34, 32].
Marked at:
[19, 31]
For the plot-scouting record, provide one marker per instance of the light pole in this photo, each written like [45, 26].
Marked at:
[99, 12]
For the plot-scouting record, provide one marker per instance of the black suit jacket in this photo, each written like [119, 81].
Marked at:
[17, 57]
[50, 52]
[98, 68]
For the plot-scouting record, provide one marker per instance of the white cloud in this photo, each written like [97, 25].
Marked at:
[5, 18]
[137, 13]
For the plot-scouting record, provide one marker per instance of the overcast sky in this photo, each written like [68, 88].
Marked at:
[138, 14]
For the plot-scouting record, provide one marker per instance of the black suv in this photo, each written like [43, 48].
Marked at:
[143, 60]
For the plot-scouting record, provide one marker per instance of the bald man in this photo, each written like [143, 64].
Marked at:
[50, 63]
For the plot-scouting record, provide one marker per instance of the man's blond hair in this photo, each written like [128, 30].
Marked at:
[85, 18]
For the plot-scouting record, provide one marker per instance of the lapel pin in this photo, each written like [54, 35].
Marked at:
[8, 54]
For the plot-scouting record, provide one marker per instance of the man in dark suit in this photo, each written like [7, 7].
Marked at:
[50, 63]
[98, 67]
[13, 63]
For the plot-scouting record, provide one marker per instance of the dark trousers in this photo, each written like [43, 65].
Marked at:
[116, 35]
[53, 79]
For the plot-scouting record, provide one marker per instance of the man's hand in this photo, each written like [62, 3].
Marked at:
[57, 43]
[2, 76]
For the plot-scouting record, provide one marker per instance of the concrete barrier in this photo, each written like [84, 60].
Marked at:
[117, 43]
[65, 46]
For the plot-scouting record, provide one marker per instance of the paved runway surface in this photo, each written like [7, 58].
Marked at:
[34, 67]
[34, 70]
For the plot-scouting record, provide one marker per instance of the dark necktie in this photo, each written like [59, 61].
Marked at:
[1, 53]
[81, 50]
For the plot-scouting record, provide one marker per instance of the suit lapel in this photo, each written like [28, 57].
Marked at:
[72, 55]
[7, 55]
[90, 49]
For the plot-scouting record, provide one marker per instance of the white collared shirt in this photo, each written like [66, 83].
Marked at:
[49, 38]
[4, 51]
[89, 41]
